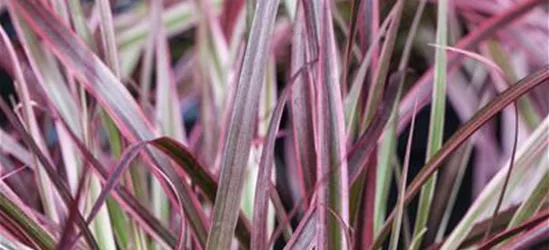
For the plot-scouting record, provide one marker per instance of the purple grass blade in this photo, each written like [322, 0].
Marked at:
[364, 228]
[261, 201]
[530, 239]
[330, 139]
[200, 175]
[422, 89]
[239, 138]
[305, 233]
[67, 239]
[360, 152]
[56, 180]
[127, 202]
[111, 94]
[127, 157]
[301, 110]
[536, 220]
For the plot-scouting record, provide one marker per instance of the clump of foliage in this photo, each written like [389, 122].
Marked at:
[268, 124]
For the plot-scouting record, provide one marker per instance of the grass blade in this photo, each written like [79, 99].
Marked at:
[484, 115]
[389, 143]
[127, 201]
[110, 92]
[200, 176]
[400, 203]
[54, 177]
[301, 109]
[330, 141]
[533, 203]
[237, 147]
[486, 29]
[305, 233]
[436, 122]
[531, 238]
[540, 219]
[360, 152]
[351, 99]
[376, 90]
[261, 200]
[18, 221]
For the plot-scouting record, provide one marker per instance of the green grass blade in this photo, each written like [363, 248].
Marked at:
[466, 130]
[436, 122]
[17, 219]
[533, 203]
[388, 145]
[487, 199]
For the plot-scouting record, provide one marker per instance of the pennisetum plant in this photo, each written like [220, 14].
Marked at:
[267, 124]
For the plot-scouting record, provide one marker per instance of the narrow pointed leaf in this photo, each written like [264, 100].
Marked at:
[244, 111]
[422, 89]
[305, 233]
[301, 109]
[466, 130]
[330, 140]
[109, 91]
[261, 200]
[56, 180]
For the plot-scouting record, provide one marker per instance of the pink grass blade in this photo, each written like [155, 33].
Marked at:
[368, 20]
[350, 42]
[509, 171]
[466, 130]
[129, 155]
[200, 175]
[311, 10]
[359, 153]
[301, 109]
[261, 200]
[168, 114]
[352, 98]
[110, 93]
[259, 237]
[131, 205]
[68, 239]
[231, 10]
[531, 239]
[237, 146]
[486, 29]
[50, 79]
[108, 37]
[473, 55]
[56, 180]
[365, 208]
[541, 219]
[167, 108]
[330, 140]
[382, 67]
[29, 117]
[114, 178]
[17, 220]
[374, 97]
[305, 233]
[10, 146]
